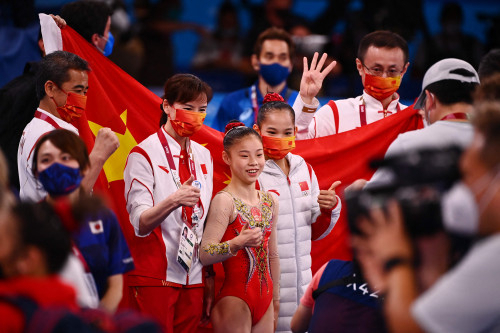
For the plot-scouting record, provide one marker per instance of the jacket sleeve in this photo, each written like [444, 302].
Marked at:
[139, 182]
[304, 114]
[323, 221]
[224, 114]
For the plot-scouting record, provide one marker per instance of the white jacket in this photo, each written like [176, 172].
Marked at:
[148, 181]
[299, 209]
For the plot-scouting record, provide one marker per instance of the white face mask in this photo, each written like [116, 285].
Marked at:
[459, 208]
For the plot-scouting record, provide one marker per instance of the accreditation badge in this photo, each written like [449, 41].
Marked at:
[187, 247]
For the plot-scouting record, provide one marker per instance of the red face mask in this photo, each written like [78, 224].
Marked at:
[277, 148]
[74, 107]
[186, 122]
[381, 87]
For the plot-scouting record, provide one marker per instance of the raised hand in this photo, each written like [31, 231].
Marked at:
[187, 195]
[106, 143]
[327, 198]
[312, 78]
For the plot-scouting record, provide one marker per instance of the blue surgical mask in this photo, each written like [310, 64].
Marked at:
[108, 48]
[59, 179]
[274, 74]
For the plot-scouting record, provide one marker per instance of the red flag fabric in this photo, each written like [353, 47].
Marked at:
[118, 101]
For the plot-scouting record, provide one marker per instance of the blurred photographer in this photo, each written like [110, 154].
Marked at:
[465, 299]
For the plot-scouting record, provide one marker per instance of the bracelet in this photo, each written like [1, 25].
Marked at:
[308, 110]
[394, 262]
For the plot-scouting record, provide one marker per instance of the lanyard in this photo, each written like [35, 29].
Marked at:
[362, 112]
[44, 117]
[456, 115]
[175, 175]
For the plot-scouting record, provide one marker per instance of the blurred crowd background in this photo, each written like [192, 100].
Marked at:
[213, 39]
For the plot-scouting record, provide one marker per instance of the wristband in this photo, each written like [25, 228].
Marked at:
[308, 110]
[394, 262]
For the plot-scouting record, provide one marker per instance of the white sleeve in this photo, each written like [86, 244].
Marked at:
[74, 274]
[304, 120]
[316, 212]
[466, 299]
[139, 184]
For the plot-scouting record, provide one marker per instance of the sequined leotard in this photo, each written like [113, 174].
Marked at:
[247, 275]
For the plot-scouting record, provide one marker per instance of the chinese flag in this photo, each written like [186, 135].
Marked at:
[118, 101]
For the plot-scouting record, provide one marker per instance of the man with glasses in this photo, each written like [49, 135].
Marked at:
[382, 61]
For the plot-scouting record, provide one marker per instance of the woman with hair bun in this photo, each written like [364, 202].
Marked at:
[307, 213]
[168, 187]
[241, 232]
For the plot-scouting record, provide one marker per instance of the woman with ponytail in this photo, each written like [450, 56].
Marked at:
[307, 213]
[241, 233]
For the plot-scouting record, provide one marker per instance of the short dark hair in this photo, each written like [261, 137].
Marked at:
[486, 119]
[490, 64]
[55, 67]
[449, 92]
[383, 39]
[183, 88]
[274, 33]
[38, 225]
[87, 17]
[269, 107]
[67, 142]
[236, 131]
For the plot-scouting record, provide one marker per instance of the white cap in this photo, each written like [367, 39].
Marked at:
[446, 69]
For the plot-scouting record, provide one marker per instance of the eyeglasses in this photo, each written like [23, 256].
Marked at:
[378, 71]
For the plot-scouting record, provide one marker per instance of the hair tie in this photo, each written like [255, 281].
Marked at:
[272, 97]
[233, 125]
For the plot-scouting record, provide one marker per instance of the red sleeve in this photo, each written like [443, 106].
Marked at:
[12, 319]
[307, 300]
[322, 223]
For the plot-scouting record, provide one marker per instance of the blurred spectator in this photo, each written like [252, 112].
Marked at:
[489, 89]
[338, 300]
[272, 13]
[59, 161]
[451, 42]
[92, 20]
[157, 21]
[490, 64]
[34, 248]
[222, 50]
[272, 60]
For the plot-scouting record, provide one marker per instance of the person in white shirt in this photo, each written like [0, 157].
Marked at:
[382, 62]
[61, 84]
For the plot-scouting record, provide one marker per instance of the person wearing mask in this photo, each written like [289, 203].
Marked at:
[381, 63]
[60, 160]
[18, 99]
[446, 100]
[465, 298]
[92, 20]
[61, 85]
[168, 186]
[272, 60]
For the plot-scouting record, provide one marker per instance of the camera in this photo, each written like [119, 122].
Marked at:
[417, 181]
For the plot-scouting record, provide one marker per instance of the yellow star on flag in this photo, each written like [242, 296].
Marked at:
[228, 179]
[114, 166]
